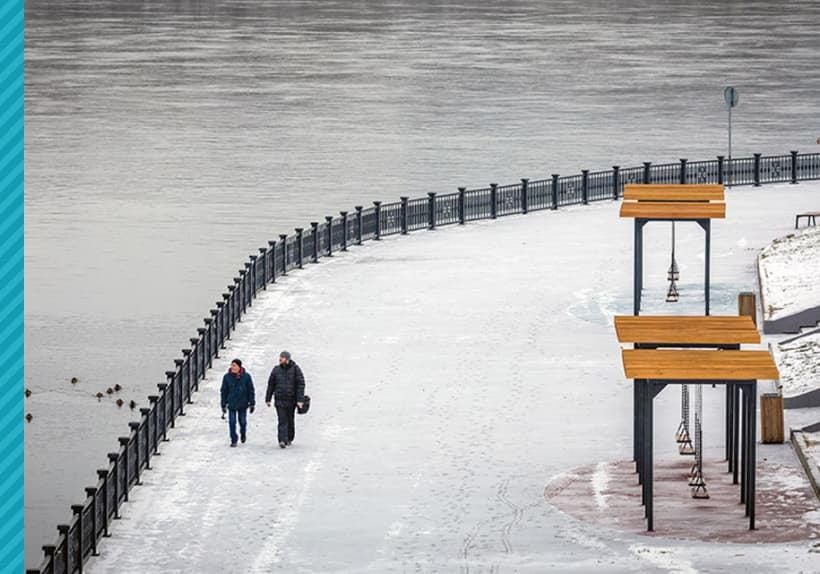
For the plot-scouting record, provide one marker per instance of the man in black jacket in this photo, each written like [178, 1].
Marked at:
[237, 396]
[286, 385]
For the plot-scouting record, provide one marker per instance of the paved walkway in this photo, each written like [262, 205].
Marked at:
[453, 373]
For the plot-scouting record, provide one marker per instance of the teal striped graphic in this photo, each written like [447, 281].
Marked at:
[11, 286]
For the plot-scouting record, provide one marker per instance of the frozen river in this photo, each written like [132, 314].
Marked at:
[165, 141]
[453, 374]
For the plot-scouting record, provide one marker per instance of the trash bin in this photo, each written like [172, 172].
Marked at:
[771, 418]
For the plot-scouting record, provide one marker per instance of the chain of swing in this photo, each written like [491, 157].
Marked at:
[683, 436]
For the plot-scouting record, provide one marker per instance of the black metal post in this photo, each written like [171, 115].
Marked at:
[616, 182]
[637, 280]
[63, 529]
[114, 457]
[50, 551]
[720, 164]
[193, 367]
[272, 249]
[358, 224]
[180, 364]
[554, 191]
[314, 232]
[230, 305]
[135, 427]
[525, 200]
[78, 509]
[757, 170]
[683, 171]
[585, 186]
[707, 226]
[254, 279]
[91, 492]
[102, 474]
[146, 414]
[344, 230]
[123, 440]
[378, 206]
[300, 246]
[493, 200]
[203, 352]
[647, 175]
[162, 390]
[751, 493]
[794, 166]
[263, 252]
[283, 241]
[171, 394]
[243, 291]
[461, 205]
[431, 209]
[153, 400]
[404, 214]
[329, 224]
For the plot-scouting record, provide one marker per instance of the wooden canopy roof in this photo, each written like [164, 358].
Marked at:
[687, 365]
[686, 330]
[670, 201]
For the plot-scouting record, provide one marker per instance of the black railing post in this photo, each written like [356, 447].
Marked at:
[794, 166]
[164, 395]
[272, 249]
[193, 369]
[283, 240]
[50, 551]
[493, 200]
[683, 171]
[233, 305]
[153, 400]
[242, 285]
[78, 509]
[102, 474]
[172, 392]
[616, 182]
[123, 440]
[180, 365]
[358, 225]
[314, 233]
[254, 279]
[91, 492]
[344, 229]
[431, 209]
[202, 354]
[135, 427]
[555, 191]
[329, 224]
[63, 529]
[525, 200]
[462, 191]
[404, 214]
[188, 389]
[146, 414]
[263, 252]
[647, 175]
[300, 247]
[114, 458]
[378, 208]
[585, 186]
[757, 169]
[720, 165]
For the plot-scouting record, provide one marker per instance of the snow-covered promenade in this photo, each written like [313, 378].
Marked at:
[453, 374]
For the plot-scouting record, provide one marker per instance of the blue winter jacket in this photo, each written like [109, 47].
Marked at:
[237, 391]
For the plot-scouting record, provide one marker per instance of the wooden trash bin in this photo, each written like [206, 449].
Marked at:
[771, 418]
[747, 305]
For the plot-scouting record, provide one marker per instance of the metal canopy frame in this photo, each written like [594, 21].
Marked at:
[640, 222]
[743, 456]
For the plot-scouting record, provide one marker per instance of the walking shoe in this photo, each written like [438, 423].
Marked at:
[288, 443]
[233, 444]
[243, 439]
[282, 445]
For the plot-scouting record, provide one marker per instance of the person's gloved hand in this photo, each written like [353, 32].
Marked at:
[253, 408]
[224, 411]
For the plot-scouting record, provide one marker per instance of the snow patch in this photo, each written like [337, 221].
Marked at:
[600, 482]
[789, 268]
[665, 558]
[799, 365]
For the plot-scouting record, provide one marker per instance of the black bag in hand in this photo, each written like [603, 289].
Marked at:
[305, 406]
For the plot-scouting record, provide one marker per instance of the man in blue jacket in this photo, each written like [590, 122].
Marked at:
[237, 396]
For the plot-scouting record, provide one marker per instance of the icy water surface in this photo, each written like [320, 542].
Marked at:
[165, 141]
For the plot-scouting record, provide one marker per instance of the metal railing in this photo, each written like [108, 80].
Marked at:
[91, 520]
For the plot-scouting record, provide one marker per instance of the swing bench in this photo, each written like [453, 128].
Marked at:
[699, 203]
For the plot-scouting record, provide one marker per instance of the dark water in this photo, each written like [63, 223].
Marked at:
[165, 141]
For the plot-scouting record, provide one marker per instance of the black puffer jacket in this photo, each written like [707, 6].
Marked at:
[286, 385]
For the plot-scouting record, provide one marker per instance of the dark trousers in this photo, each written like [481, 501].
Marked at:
[242, 415]
[287, 429]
